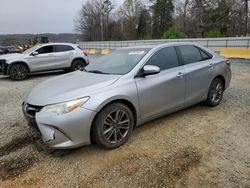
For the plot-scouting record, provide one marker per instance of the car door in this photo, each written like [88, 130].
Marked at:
[199, 72]
[63, 55]
[45, 60]
[165, 91]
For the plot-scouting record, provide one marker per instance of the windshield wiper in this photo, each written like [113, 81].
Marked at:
[97, 72]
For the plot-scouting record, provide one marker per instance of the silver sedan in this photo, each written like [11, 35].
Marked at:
[125, 89]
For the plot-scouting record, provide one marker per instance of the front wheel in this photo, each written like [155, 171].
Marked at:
[113, 126]
[77, 64]
[18, 72]
[215, 93]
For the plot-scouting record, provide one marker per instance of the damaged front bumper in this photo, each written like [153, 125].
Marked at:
[65, 131]
[3, 67]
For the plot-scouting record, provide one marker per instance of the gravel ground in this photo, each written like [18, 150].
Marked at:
[196, 147]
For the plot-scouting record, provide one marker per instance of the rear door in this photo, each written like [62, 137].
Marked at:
[45, 60]
[199, 71]
[164, 91]
[63, 55]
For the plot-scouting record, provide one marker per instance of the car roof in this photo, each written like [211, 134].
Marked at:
[58, 43]
[151, 46]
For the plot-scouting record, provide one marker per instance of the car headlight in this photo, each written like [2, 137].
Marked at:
[65, 107]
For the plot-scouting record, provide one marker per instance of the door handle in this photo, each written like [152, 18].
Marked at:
[51, 55]
[210, 65]
[180, 75]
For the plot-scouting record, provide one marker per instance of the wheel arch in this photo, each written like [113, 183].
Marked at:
[17, 62]
[126, 102]
[80, 58]
[222, 79]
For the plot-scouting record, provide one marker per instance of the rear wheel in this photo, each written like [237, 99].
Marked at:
[215, 93]
[78, 64]
[18, 72]
[113, 126]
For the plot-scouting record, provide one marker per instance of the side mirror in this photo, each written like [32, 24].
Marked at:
[35, 53]
[150, 69]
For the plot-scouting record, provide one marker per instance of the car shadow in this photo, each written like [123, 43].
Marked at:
[35, 75]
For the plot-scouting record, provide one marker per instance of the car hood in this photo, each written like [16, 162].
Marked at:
[69, 87]
[8, 57]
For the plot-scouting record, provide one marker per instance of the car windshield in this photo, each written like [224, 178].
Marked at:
[118, 62]
[31, 49]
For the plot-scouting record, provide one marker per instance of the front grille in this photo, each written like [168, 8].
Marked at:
[31, 110]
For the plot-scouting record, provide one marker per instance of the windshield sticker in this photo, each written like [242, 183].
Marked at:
[136, 53]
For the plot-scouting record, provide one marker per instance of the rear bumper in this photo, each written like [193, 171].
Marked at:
[228, 77]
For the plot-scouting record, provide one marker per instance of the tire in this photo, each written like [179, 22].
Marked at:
[107, 132]
[215, 93]
[77, 64]
[18, 72]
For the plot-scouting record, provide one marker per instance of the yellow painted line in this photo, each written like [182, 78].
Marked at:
[235, 53]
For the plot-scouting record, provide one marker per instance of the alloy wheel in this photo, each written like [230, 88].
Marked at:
[77, 65]
[116, 126]
[18, 72]
[216, 92]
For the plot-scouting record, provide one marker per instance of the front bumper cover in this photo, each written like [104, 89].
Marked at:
[65, 131]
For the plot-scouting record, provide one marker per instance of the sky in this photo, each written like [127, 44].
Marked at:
[39, 16]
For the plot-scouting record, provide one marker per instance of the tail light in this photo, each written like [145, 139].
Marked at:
[228, 62]
[85, 53]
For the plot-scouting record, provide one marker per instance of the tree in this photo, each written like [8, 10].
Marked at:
[162, 16]
[129, 12]
[88, 21]
[144, 25]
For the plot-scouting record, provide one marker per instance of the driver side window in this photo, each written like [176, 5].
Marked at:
[165, 58]
[45, 50]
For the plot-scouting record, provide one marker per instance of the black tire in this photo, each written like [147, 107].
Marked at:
[77, 64]
[108, 121]
[18, 72]
[215, 93]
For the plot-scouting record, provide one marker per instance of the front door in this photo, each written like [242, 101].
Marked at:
[45, 60]
[163, 92]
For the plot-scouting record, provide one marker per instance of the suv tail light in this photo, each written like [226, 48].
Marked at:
[228, 62]
[85, 53]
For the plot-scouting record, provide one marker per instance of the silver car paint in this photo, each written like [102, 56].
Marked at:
[151, 96]
[48, 61]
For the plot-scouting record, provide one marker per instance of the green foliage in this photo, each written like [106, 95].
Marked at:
[173, 33]
[162, 16]
[214, 33]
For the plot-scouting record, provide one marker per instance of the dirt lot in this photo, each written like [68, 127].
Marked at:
[196, 147]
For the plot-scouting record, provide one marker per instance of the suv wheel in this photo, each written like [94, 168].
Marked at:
[215, 93]
[18, 72]
[77, 64]
[113, 126]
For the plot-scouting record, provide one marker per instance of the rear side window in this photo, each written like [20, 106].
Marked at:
[164, 58]
[190, 54]
[45, 50]
[79, 47]
[205, 55]
[63, 48]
